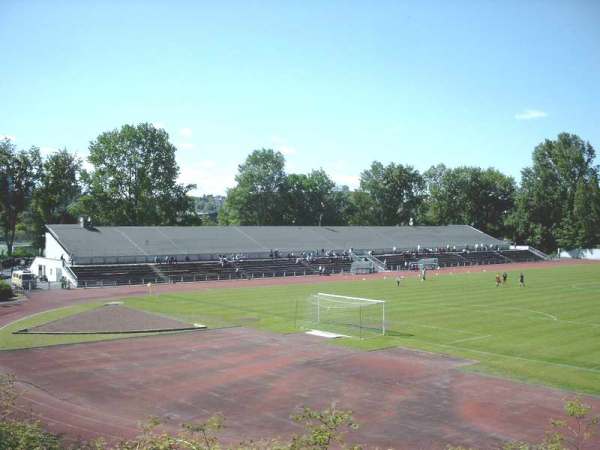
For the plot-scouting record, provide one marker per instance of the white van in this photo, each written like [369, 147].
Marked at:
[23, 279]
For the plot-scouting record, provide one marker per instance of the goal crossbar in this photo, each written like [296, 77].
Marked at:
[344, 297]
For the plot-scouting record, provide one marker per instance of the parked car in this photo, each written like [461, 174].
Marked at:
[23, 279]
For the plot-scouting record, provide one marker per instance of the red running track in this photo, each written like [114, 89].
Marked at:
[402, 399]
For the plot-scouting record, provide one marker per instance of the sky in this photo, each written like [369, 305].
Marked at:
[330, 84]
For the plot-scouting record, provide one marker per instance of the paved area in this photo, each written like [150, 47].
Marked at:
[111, 318]
[403, 399]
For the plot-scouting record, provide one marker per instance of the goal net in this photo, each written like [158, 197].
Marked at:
[351, 316]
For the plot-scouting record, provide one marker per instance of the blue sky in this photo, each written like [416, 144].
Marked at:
[330, 84]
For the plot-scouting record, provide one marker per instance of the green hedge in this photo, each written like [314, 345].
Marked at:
[5, 291]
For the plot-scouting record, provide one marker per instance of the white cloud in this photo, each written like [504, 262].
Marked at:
[287, 150]
[352, 181]
[48, 150]
[530, 114]
[185, 132]
[280, 145]
[208, 176]
[10, 137]
[87, 165]
[186, 146]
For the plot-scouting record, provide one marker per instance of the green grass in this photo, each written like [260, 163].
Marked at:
[547, 332]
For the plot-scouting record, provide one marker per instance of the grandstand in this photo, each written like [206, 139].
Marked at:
[90, 256]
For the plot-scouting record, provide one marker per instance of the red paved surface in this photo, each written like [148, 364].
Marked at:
[111, 319]
[403, 399]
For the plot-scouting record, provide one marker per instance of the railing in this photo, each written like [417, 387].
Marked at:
[539, 253]
[377, 263]
[89, 284]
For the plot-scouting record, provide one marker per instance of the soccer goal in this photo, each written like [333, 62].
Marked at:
[350, 316]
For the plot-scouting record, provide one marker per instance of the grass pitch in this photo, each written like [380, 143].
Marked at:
[547, 332]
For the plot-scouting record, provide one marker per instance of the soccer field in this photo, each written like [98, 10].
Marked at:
[546, 332]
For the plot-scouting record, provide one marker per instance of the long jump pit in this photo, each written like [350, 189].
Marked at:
[402, 399]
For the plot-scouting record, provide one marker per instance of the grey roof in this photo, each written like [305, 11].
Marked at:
[150, 241]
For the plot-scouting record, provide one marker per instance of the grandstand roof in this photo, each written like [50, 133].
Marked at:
[82, 242]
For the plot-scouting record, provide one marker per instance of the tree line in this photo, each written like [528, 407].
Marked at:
[132, 180]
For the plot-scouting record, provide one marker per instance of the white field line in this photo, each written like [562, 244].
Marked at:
[438, 328]
[550, 316]
[595, 325]
[521, 358]
[469, 339]
[547, 316]
[33, 315]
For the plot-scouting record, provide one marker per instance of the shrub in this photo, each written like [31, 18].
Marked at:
[24, 252]
[5, 291]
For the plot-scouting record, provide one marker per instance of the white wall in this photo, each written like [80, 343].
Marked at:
[53, 249]
[581, 253]
[52, 268]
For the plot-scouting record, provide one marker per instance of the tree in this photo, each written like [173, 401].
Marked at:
[558, 204]
[19, 173]
[134, 180]
[361, 210]
[469, 195]
[257, 199]
[58, 190]
[395, 191]
[312, 200]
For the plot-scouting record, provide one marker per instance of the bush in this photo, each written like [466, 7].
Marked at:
[24, 435]
[5, 291]
[24, 252]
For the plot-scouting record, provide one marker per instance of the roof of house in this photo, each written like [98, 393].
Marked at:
[157, 241]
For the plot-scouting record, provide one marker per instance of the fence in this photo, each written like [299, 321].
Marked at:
[88, 284]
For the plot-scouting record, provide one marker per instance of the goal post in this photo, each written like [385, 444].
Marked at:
[351, 316]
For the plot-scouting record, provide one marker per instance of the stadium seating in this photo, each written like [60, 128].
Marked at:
[520, 255]
[401, 261]
[484, 257]
[331, 265]
[119, 274]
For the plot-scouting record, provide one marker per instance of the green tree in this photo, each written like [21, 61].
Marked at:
[558, 204]
[312, 199]
[134, 180]
[396, 193]
[19, 174]
[257, 199]
[469, 195]
[59, 188]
